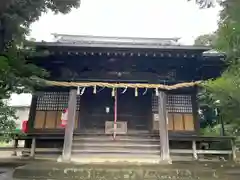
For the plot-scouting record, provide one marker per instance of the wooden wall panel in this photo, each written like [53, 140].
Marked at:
[39, 119]
[178, 122]
[59, 115]
[180, 112]
[49, 107]
[51, 120]
[170, 121]
[189, 122]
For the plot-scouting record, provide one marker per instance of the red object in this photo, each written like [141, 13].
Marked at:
[64, 123]
[64, 118]
[25, 126]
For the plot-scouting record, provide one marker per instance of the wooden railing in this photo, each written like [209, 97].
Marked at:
[195, 151]
[33, 149]
[193, 139]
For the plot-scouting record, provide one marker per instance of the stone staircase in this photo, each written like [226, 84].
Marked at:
[90, 148]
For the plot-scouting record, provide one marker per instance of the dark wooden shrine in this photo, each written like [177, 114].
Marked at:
[121, 60]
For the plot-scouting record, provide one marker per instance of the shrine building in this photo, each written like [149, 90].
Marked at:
[126, 98]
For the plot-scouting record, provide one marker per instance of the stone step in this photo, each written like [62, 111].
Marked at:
[118, 135]
[116, 144]
[110, 138]
[115, 158]
[129, 133]
[112, 155]
[118, 148]
[116, 151]
[92, 147]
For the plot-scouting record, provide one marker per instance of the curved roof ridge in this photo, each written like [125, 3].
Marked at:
[115, 40]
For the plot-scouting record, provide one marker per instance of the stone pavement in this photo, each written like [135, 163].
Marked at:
[8, 165]
[26, 169]
[8, 175]
[176, 171]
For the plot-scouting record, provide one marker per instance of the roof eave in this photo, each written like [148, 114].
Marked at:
[122, 45]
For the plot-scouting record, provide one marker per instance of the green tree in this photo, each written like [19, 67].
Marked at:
[17, 15]
[206, 40]
[16, 75]
[226, 89]
[206, 3]
[7, 123]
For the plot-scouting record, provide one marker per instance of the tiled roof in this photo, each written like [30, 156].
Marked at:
[62, 40]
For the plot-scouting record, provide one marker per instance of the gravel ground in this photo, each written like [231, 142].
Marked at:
[8, 164]
[7, 175]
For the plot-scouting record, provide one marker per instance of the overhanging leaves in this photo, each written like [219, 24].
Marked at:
[16, 74]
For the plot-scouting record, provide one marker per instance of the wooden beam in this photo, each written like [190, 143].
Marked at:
[72, 105]
[163, 127]
[188, 151]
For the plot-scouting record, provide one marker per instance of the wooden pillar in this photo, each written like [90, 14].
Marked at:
[234, 149]
[115, 115]
[195, 112]
[30, 123]
[33, 148]
[15, 146]
[163, 127]
[194, 149]
[67, 146]
[31, 118]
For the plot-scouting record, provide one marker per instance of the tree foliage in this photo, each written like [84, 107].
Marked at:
[7, 123]
[206, 3]
[16, 74]
[205, 40]
[19, 14]
[226, 89]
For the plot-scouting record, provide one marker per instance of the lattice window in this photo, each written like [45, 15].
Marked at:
[179, 103]
[78, 102]
[62, 100]
[154, 103]
[54, 101]
[179, 100]
[175, 103]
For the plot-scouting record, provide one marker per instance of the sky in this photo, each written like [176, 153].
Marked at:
[127, 18]
[130, 18]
